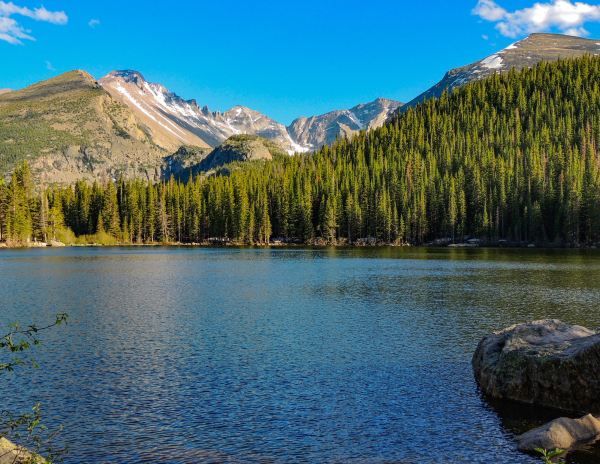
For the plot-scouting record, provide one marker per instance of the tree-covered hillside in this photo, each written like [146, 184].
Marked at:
[514, 157]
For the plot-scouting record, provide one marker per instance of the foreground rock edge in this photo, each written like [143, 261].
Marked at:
[11, 453]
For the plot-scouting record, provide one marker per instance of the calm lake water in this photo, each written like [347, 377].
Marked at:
[181, 355]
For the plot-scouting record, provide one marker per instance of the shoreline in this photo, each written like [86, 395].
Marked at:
[456, 246]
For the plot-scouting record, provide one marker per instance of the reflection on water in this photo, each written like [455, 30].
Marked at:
[250, 355]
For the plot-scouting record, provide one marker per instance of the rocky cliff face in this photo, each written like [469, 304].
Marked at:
[523, 54]
[316, 131]
[181, 163]
[171, 121]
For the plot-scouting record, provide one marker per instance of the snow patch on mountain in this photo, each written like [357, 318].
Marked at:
[140, 107]
[492, 62]
[296, 148]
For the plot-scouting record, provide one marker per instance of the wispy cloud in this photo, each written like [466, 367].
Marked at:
[562, 15]
[94, 23]
[13, 32]
[49, 66]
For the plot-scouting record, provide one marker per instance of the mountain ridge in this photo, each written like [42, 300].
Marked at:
[69, 128]
[524, 53]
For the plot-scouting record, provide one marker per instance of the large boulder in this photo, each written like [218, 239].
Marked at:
[562, 433]
[546, 363]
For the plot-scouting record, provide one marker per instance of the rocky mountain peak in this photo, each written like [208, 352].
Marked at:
[317, 131]
[83, 75]
[244, 115]
[127, 75]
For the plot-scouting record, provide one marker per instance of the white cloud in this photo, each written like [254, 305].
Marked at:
[49, 66]
[562, 15]
[489, 10]
[12, 32]
[93, 23]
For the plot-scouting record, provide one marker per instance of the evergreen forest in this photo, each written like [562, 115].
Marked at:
[511, 157]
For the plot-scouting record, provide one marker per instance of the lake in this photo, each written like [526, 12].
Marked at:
[194, 355]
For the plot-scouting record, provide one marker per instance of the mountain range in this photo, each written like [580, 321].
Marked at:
[74, 127]
[175, 121]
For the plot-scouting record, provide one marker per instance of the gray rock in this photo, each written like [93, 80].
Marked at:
[563, 433]
[546, 363]
[15, 454]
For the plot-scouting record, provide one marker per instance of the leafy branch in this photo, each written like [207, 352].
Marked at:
[19, 339]
[551, 456]
[26, 427]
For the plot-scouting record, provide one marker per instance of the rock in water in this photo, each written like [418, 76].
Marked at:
[561, 433]
[545, 363]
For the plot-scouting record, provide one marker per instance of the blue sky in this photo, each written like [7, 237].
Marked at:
[283, 58]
